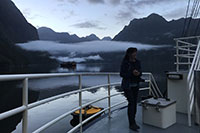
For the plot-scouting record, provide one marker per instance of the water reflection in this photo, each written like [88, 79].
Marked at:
[81, 68]
[10, 98]
[53, 109]
[60, 82]
[84, 67]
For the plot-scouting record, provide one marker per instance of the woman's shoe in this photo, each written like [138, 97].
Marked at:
[138, 127]
[134, 127]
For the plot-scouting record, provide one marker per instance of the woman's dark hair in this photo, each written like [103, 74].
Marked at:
[129, 51]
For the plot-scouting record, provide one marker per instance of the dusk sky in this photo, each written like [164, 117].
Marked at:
[101, 17]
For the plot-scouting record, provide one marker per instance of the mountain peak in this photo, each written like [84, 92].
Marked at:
[92, 37]
[46, 29]
[107, 38]
[155, 16]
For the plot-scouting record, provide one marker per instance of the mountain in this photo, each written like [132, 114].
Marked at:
[14, 28]
[46, 33]
[154, 29]
[107, 38]
[91, 37]
[50, 35]
[13, 25]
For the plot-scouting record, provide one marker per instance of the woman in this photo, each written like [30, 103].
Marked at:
[131, 72]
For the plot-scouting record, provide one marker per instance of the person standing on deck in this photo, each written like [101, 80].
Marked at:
[131, 73]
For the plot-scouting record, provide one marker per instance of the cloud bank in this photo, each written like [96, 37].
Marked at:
[88, 24]
[77, 59]
[83, 47]
[96, 1]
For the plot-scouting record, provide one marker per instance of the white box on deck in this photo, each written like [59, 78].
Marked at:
[159, 112]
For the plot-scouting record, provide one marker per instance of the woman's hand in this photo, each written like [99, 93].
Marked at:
[136, 72]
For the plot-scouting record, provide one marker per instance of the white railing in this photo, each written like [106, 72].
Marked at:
[153, 89]
[192, 55]
[190, 82]
[185, 51]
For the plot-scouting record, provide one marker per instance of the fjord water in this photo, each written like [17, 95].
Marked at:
[100, 56]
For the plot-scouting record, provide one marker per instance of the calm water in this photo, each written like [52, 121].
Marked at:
[49, 111]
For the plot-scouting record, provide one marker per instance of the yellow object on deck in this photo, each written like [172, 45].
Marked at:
[92, 110]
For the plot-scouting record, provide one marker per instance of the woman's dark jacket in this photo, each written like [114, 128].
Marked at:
[126, 72]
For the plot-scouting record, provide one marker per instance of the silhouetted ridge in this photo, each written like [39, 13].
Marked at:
[13, 25]
[46, 33]
[15, 29]
[153, 29]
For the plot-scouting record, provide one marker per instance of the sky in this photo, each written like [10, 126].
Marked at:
[100, 17]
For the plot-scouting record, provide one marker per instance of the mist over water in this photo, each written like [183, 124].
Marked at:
[94, 56]
[83, 51]
[77, 59]
[83, 47]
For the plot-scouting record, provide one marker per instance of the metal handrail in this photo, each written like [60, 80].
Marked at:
[193, 63]
[183, 50]
[11, 77]
[25, 107]
[12, 112]
[186, 38]
[190, 82]
[159, 94]
[64, 95]
[69, 112]
[83, 122]
[187, 43]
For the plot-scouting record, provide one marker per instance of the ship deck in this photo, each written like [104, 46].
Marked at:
[118, 123]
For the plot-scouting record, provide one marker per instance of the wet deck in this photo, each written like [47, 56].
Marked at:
[119, 124]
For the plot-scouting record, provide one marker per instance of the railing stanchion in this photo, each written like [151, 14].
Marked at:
[109, 103]
[177, 57]
[80, 103]
[25, 107]
[189, 60]
[25, 103]
[150, 89]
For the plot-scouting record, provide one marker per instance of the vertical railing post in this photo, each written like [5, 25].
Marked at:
[80, 103]
[197, 40]
[198, 51]
[150, 90]
[177, 56]
[188, 105]
[109, 103]
[198, 57]
[189, 61]
[25, 103]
